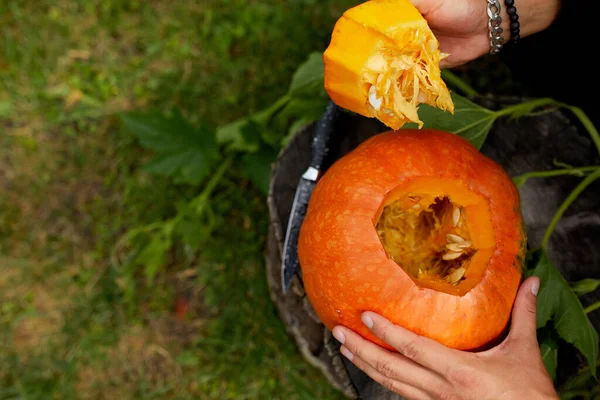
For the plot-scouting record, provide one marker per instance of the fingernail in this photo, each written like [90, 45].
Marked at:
[339, 335]
[535, 287]
[346, 353]
[367, 320]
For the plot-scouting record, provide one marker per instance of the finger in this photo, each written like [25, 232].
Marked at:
[395, 386]
[523, 326]
[390, 365]
[424, 351]
[446, 64]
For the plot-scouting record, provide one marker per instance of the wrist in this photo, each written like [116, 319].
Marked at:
[541, 394]
[534, 16]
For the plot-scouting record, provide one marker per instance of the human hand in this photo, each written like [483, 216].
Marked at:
[426, 369]
[461, 26]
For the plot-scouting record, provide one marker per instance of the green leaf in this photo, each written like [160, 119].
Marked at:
[257, 167]
[308, 79]
[470, 120]
[548, 341]
[557, 302]
[307, 109]
[251, 134]
[308, 98]
[185, 167]
[154, 255]
[585, 286]
[181, 151]
[579, 385]
[233, 135]
[194, 229]
[193, 232]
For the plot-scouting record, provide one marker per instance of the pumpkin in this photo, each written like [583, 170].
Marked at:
[420, 227]
[382, 61]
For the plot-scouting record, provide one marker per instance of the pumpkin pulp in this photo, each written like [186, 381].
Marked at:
[397, 78]
[383, 61]
[438, 232]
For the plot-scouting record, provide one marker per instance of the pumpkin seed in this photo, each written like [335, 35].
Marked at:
[374, 100]
[451, 256]
[452, 238]
[455, 216]
[414, 199]
[416, 206]
[464, 245]
[454, 247]
[457, 275]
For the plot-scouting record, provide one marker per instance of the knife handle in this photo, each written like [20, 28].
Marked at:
[322, 134]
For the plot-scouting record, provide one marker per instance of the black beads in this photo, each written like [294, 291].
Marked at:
[515, 26]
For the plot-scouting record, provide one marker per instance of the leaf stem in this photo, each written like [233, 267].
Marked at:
[579, 113]
[532, 104]
[454, 80]
[578, 171]
[592, 307]
[198, 203]
[570, 199]
[585, 121]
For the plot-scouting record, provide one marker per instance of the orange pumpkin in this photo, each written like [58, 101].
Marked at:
[383, 60]
[420, 227]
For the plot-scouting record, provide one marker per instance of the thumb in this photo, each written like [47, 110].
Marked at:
[523, 327]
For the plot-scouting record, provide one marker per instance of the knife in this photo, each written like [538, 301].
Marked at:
[308, 181]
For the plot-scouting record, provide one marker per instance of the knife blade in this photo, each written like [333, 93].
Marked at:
[308, 181]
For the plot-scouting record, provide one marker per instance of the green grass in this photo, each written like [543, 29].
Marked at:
[71, 324]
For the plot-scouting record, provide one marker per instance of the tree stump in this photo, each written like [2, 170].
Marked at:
[530, 143]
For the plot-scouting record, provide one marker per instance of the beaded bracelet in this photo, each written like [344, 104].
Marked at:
[515, 26]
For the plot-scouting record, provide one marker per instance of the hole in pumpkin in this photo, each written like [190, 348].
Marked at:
[427, 236]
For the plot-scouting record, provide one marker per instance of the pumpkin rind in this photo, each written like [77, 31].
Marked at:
[347, 271]
[386, 50]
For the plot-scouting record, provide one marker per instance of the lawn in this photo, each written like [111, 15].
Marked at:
[133, 214]
[75, 321]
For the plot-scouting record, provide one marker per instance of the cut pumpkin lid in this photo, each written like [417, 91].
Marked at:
[383, 61]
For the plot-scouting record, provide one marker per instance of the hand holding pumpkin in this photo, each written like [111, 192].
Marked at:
[425, 369]
[461, 26]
